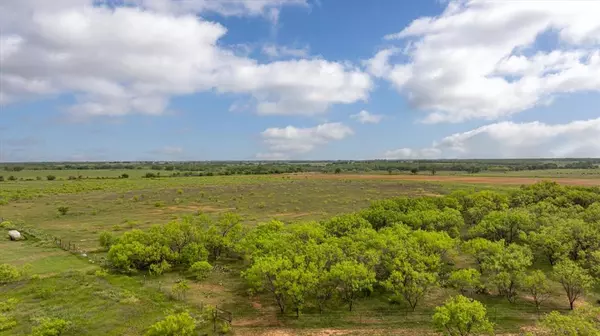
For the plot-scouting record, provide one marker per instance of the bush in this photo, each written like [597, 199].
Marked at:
[50, 327]
[50, 177]
[1, 178]
[6, 322]
[160, 268]
[124, 176]
[106, 239]
[178, 324]
[12, 178]
[8, 273]
[8, 305]
[63, 210]
[201, 270]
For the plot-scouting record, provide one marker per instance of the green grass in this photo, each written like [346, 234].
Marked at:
[44, 260]
[113, 305]
[121, 205]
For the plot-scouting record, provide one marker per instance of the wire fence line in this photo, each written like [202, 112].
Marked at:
[67, 245]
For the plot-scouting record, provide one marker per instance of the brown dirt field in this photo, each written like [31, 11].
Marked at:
[455, 179]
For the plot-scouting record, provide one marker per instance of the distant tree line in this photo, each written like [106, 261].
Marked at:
[283, 167]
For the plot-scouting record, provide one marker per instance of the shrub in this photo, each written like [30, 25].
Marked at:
[8, 305]
[50, 177]
[1, 178]
[106, 239]
[180, 289]
[6, 322]
[63, 210]
[12, 178]
[160, 268]
[178, 324]
[50, 327]
[8, 273]
[124, 176]
[200, 270]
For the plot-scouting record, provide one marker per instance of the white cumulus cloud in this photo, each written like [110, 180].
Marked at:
[514, 140]
[124, 60]
[287, 142]
[365, 117]
[478, 59]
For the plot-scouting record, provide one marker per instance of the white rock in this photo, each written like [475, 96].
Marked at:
[14, 235]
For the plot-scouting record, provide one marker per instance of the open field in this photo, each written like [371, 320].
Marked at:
[131, 303]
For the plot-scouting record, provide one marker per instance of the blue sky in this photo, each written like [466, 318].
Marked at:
[298, 79]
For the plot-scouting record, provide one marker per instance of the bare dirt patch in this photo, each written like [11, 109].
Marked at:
[330, 332]
[455, 179]
[293, 214]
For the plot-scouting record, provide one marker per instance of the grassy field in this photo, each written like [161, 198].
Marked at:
[125, 204]
[122, 305]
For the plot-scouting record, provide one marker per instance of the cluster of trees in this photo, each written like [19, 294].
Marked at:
[400, 248]
[183, 244]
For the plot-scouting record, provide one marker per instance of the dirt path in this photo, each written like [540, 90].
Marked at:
[455, 179]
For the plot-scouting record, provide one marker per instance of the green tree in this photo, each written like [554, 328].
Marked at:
[223, 234]
[262, 276]
[583, 321]
[550, 241]
[181, 324]
[461, 316]
[201, 270]
[411, 285]
[573, 278]
[536, 284]
[465, 280]
[297, 284]
[345, 224]
[50, 177]
[482, 250]
[414, 171]
[352, 278]
[506, 269]
[509, 225]
[50, 327]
